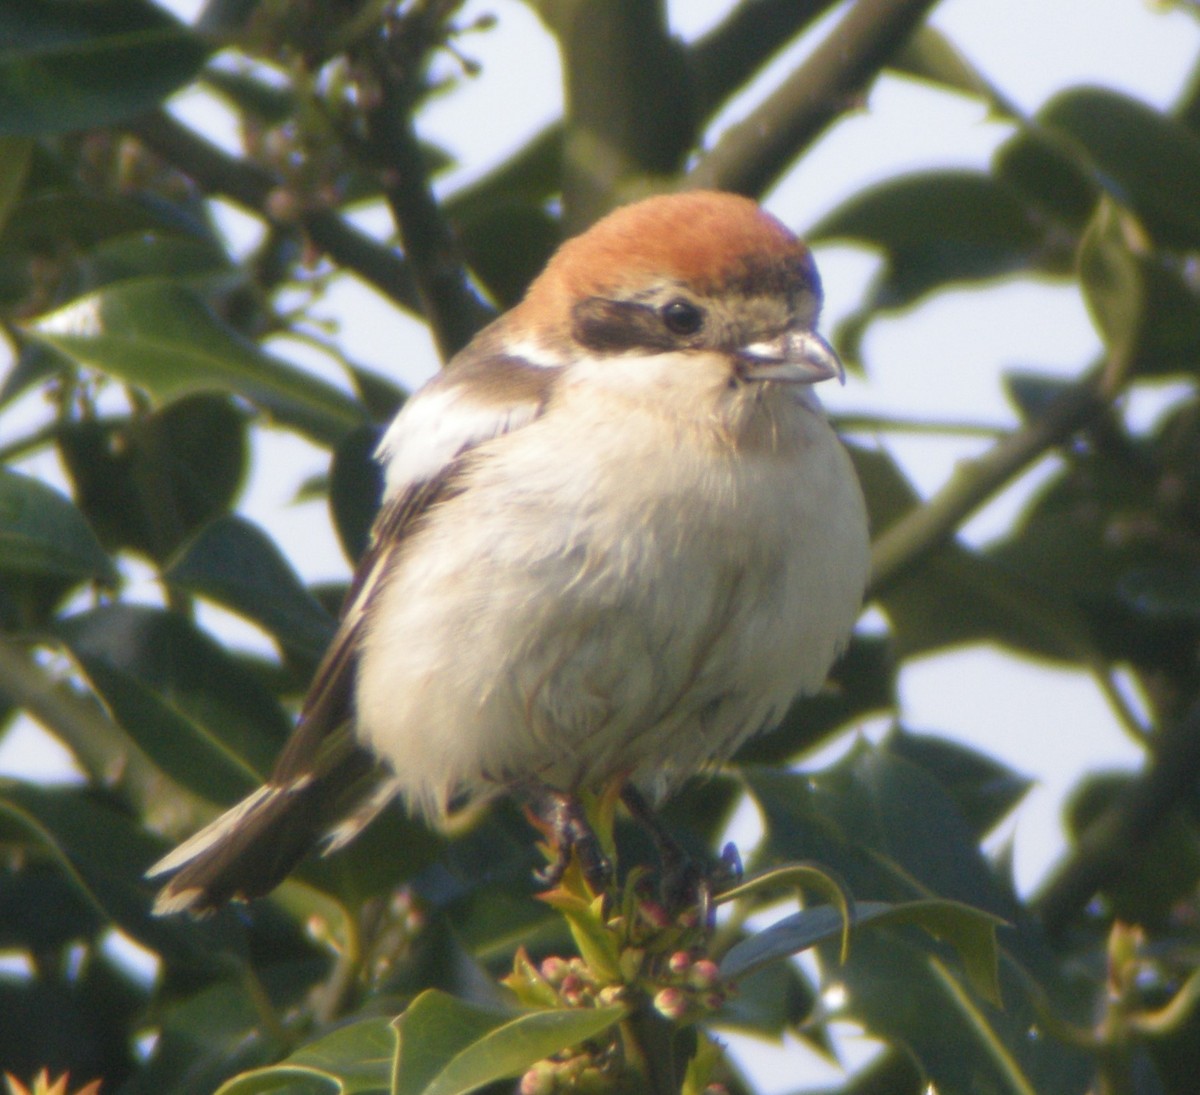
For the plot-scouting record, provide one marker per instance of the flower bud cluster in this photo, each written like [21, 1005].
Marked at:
[689, 988]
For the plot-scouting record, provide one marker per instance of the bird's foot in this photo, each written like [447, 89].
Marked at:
[561, 819]
[684, 882]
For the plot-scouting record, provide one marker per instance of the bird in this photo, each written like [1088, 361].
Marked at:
[618, 537]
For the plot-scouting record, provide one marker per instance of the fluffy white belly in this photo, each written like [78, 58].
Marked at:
[622, 612]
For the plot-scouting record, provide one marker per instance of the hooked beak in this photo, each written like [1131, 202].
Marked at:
[795, 357]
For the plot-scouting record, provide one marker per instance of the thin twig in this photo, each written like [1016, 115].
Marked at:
[853, 421]
[751, 155]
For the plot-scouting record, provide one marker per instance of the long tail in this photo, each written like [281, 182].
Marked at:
[253, 846]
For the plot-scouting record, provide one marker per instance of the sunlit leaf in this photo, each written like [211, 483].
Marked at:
[164, 338]
[356, 1059]
[448, 1047]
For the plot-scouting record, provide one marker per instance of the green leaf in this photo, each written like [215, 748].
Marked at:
[41, 532]
[150, 482]
[448, 1047]
[1168, 591]
[883, 824]
[73, 65]
[861, 683]
[1112, 277]
[234, 563]
[1044, 168]
[15, 154]
[959, 595]
[103, 854]
[1141, 156]
[196, 712]
[984, 790]
[929, 55]
[354, 1060]
[198, 263]
[801, 877]
[355, 488]
[164, 338]
[903, 992]
[936, 228]
[1144, 306]
[971, 932]
[178, 745]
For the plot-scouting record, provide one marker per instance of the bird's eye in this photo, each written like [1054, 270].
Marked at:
[682, 317]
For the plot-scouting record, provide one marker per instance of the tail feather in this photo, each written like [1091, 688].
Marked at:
[253, 847]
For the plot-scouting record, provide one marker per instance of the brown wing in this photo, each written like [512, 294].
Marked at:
[323, 774]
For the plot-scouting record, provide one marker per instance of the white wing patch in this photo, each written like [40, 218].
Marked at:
[436, 425]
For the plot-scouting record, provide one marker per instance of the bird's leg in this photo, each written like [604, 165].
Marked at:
[684, 882]
[568, 830]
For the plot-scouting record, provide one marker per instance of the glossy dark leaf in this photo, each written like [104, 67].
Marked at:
[72, 64]
[149, 483]
[103, 854]
[1156, 876]
[234, 563]
[41, 910]
[902, 991]
[984, 790]
[882, 823]
[225, 711]
[771, 1000]
[971, 932]
[41, 532]
[164, 338]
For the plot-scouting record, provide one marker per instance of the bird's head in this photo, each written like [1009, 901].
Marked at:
[694, 272]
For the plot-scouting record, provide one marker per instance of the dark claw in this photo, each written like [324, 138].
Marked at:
[569, 833]
[684, 883]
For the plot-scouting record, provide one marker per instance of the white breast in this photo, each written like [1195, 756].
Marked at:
[625, 587]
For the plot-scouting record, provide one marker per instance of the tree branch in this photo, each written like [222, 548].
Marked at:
[1124, 832]
[754, 153]
[733, 51]
[394, 64]
[918, 534]
[629, 114]
[251, 186]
